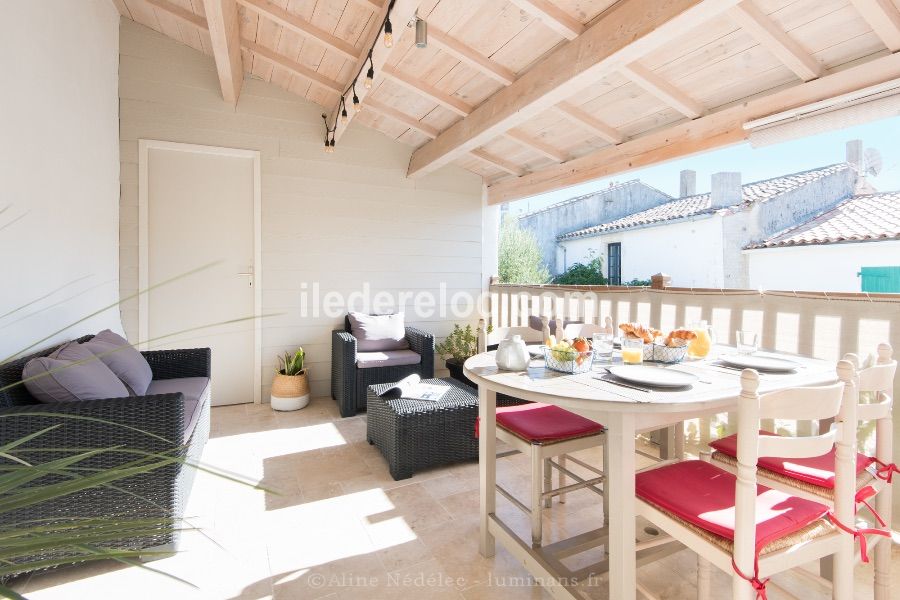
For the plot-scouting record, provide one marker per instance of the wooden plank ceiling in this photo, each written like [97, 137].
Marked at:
[534, 95]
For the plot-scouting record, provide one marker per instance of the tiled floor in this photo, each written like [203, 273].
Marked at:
[342, 528]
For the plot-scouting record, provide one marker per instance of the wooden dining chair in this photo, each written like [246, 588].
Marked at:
[751, 530]
[813, 478]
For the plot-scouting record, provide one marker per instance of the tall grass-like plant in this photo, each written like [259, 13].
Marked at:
[32, 474]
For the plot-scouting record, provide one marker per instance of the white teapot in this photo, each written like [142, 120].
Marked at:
[512, 354]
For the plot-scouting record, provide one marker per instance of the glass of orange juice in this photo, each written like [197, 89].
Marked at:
[632, 351]
[702, 344]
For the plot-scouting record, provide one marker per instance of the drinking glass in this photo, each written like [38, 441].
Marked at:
[603, 345]
[632, 351]
[747, 342]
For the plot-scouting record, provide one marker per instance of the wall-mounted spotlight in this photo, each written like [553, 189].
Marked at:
[421, 33]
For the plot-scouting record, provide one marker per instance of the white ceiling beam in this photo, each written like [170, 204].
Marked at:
[884, 19]
[180, 13]
[496, 161]
[591, 123]
[427, 91]
[292, 66]
[402, 13]
[467, 55]
[225, 34]
[714, 130]
[538, 145]
[755, 22]
[626, 32]
[663, 90]
[553, 17]
[402, 117]
[302, 27]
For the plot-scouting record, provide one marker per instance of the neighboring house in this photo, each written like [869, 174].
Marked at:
[597, 207]
[699, 239]
[853, 247]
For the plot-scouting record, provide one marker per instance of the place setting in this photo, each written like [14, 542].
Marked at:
[748, 356]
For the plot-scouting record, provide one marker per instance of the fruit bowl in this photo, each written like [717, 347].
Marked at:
[568, 361]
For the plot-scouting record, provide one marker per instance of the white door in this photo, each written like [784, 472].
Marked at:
[200, 206]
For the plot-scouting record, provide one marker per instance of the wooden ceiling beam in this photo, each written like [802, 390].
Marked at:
[403, 12]
[553, 17]
[467, 55]
[625, 33]
[663, 90]
[591, 123]
[180, 13]
[402, 117]
[427, 91]
[302, 27]
[714, 130]
[755, 22]
[122, 8]
[375, 5]
[292, 66]
[225, 34]
[496, 161]
[884, 19]
[538, 145]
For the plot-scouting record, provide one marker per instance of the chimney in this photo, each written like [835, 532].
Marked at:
[688, 183]
[725, 190]
[855, 155]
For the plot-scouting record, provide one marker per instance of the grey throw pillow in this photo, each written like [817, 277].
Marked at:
[71, 373]
[128, 364]
[377, 333]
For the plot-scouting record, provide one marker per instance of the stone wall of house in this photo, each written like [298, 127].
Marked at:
[584, 211]
[764, 219]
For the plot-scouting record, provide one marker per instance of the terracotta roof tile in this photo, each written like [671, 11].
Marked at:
[690, 206]
[859, 219]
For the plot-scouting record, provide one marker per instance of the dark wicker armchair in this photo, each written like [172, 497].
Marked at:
[350, 383]
[181, 426]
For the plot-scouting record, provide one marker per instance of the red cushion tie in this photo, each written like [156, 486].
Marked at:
[864, 494]
[759, 585]
[859, 534]
[884, 471]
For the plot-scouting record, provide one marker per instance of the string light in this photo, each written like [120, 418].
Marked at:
[356, 105]
[367, 82]
[370, 74]
[388, 31]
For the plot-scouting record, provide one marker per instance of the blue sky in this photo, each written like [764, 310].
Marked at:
[756, 164]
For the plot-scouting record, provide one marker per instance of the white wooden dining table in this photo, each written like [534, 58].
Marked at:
[624, 412]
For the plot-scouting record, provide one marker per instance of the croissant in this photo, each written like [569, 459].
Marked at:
[679, 337]
[639, 331]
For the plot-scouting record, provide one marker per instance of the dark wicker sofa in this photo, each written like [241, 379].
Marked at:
[177, 423]
[350, 383]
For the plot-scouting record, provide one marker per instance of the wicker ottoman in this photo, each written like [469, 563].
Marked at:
[414, 434]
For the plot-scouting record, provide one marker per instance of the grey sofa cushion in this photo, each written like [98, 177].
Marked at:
[193, 388]
[377, 333]
[534, 322]
[388, 358]
[128, 364]
[71, 373]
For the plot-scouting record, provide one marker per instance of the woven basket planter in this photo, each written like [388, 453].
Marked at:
[290, 392]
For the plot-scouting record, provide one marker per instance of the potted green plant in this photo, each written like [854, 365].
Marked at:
[290, 387]
[461, 344]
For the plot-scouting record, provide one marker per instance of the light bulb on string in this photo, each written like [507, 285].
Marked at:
[356, 105]
[388, 33]
[344, 117]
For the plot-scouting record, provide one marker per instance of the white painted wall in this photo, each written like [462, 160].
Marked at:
[338, 220]
[689, 251]
[831, 267]
[59, 168]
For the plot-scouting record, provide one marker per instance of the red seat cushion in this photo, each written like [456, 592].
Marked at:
[538, 422]
[703, 495]
[817, 470]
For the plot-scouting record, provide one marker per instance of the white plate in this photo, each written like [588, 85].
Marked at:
[653, 376]
[760, 363]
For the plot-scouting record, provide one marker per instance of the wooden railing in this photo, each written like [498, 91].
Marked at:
[819, 324]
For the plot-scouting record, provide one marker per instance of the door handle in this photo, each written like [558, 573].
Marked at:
[248, 273]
